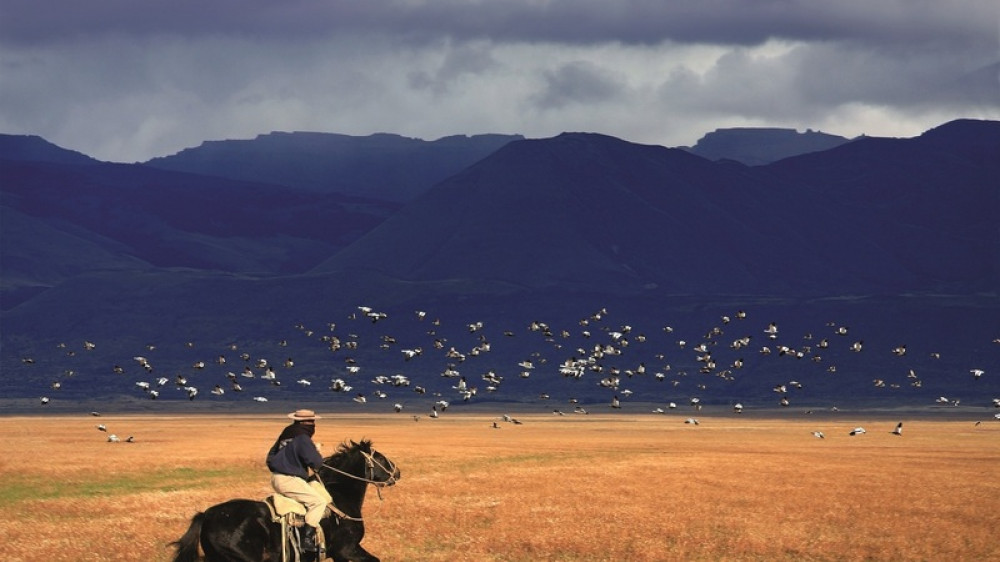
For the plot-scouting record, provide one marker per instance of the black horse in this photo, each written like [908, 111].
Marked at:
[243, 530]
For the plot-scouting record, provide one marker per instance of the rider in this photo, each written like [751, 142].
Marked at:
[289, 460]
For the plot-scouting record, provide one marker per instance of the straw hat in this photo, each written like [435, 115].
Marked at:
[303, 415]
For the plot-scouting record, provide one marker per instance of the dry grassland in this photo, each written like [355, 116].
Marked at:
[567, 488]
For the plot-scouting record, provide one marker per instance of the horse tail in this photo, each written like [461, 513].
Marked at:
[187, 545]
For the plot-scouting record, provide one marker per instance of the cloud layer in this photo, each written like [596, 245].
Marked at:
[126, 81]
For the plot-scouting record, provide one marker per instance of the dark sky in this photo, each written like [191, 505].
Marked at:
[127, 80]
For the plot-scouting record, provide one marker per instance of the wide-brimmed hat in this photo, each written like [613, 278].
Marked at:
[303, 415]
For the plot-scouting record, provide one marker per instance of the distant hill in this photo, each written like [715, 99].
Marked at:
[593, 212]
[755, 146]
[61, 220]
[637, 261]
[380, 166]
[32, 148]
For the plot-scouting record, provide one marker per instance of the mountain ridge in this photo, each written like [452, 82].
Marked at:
[895, 238]
[381, 166]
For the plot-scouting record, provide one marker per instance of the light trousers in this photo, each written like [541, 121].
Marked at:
[312, 495]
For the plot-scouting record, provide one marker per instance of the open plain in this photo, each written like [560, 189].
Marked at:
[573, 487]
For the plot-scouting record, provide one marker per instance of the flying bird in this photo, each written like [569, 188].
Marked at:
[858, 431]
[899, 429]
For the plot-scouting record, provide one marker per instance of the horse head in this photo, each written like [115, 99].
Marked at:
[360, 461]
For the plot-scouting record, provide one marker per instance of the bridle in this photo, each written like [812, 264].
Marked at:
[369, 478]
[370, 463]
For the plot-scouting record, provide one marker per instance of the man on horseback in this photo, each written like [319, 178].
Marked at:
[289, 461]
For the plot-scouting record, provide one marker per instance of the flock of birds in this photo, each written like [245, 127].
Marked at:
[595, 349]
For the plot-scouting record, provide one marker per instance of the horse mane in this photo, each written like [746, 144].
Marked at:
[349, 447]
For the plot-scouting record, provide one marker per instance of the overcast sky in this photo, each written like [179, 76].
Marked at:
[127, 80]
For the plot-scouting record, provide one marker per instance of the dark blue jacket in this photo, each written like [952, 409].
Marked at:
[293, 452]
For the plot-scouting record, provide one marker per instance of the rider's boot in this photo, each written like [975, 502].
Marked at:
[308, 544]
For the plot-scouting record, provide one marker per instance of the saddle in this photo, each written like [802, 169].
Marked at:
[291, 515]
[286, 509]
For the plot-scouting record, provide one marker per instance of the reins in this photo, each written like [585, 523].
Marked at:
[370, 464]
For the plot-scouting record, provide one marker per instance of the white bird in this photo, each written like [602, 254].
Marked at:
[691, 421]
[976, 373]
[899, 429]
[112, 438]
[858, 431]
[818, 434]
[102, 427]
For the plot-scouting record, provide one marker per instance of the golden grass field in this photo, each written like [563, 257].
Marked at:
[595, 487]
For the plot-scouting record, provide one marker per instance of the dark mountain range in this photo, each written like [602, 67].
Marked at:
[597, 213]
[381, 166]
[755, 146]
[62, 220]
[31, 148]
[550, 251]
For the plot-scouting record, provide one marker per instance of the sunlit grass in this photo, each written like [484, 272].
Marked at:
[18, 487]
[566, 489]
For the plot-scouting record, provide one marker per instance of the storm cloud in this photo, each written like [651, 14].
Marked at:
[125, 81]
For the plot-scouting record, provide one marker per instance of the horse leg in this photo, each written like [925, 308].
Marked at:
[353, 553]
[343, 543]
